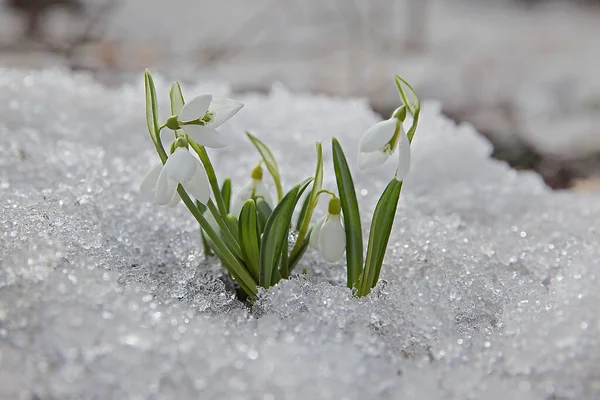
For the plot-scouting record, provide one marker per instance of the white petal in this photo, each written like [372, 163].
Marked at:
[223, 109]
[316, 232]
[195, 108]
[166, 188]
[167, 138]
[377, 136]
[372, 159]
[260, 190]
[206, 136]
[181, 165]
[404, 154]
[198, 186]
[332, 239]
[240, 198]
[176, 199]
[148, 184]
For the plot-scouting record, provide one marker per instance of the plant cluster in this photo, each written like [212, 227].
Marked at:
[256, 238]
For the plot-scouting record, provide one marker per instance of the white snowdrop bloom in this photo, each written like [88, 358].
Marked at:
[181, 168]
[252, 190]
[329, 236]
[200, 117]
[148, 185]
[379, 142]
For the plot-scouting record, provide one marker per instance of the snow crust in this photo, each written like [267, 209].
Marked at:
[490, 283]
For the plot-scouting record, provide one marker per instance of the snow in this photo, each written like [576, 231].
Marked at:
[490, 283]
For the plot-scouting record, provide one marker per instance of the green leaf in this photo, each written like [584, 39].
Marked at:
[250, 236]
[264, 212]
[354, 243]
[270, 162]
[176, 97]
[151, 106]
[311, 201]
[381, 227]
[226, 193]
[284, 267]
[232, 222]
[408, 95]
[275, 234]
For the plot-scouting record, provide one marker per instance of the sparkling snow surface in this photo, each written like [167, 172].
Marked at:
[492, 280]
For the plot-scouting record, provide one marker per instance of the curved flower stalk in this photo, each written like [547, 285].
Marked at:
[252, 190]
[328, 236]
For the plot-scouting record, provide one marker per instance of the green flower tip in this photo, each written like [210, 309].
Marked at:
[257, 173]
[400, 113]
[179, 142]
[335, 206]
[172, 123]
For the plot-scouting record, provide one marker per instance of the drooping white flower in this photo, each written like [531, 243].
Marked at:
[252, 190]
[379, 142]
[181, 168]
[329, 236]
[148, 185]
[200, 117]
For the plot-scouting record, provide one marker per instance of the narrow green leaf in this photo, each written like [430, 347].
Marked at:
[250, 236]
[354, 243]
[408, 95]
[264, 212]
[176, 97]
[284, 267]
[381, 227]
[232, 222]
[273, 237]
[151, 106]
[270, 162]
[226, 193]
[275, 233]
[303, 211]
[311, 201]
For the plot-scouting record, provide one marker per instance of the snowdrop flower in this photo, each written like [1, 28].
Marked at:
[329, 236]
[253, 190]
[379, 142]
[200, 117]
[181, 168]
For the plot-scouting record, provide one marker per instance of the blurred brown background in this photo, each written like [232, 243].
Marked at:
[526, 73]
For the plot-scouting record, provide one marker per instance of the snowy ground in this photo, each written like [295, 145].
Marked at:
[492, 279]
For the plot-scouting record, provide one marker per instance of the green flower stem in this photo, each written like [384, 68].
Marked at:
[212, 177]
[225, 230]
